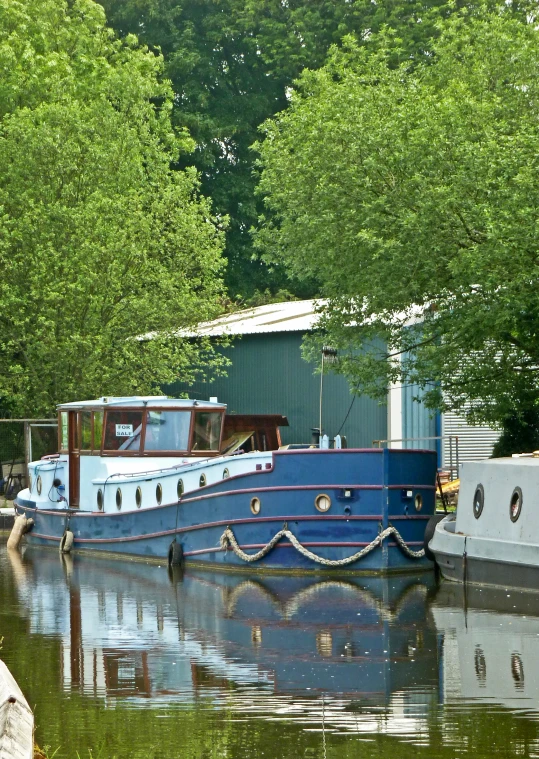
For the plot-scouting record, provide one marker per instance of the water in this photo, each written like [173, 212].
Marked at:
[121, 660]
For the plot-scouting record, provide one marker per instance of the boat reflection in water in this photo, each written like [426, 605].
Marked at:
[490, 645]
[359, 653]
[370, 655]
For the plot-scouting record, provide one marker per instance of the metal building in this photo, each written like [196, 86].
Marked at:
[268, 375]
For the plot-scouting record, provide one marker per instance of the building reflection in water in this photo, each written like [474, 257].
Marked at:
[375, 654]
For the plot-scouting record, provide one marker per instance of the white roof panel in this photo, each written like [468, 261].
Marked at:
[291, 316]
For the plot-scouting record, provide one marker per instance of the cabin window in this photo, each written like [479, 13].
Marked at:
[138, 497]
[256, 505]
[98, 430]
[418, 502]
[86, 430]
[207, 432]
[159, 493]
[167, 430]
[478, 501]
[226, 474]
[123, 431]
[202, 480]
[180, 488]
[100, 499]
[515, 506]
[63, 431]
[119, 499]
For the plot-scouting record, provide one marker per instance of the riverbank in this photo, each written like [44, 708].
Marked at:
[7, 515]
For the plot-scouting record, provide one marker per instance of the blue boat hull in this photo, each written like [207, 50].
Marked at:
[370, 490]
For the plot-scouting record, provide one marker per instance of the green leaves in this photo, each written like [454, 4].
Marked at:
[401, 188]
[100, 242]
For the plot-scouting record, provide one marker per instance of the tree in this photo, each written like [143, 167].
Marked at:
[231, 63]
[411, 195]
[100, 242]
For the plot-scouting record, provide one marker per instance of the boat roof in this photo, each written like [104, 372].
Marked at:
[141, 401]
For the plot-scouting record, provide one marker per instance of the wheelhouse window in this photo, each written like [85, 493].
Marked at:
[167, 430]
[63, 431]
[86, 430]
[207, 432]
[123, 431]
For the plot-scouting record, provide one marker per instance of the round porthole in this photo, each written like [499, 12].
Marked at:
[180, 488]
[138, 497]
[255, 505]
[517, 670]
[119, 499]
[159, 493]
[39, 484]
[418, 502]
[226, 474]
[478, 501]
[100, 499]
[322, 502]
[202, 480]
[515, 506]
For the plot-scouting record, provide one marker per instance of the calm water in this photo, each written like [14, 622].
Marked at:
[120, 660]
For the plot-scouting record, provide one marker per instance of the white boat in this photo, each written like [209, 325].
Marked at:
[494, 537]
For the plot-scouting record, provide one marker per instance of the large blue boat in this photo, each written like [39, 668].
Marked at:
[180, 480]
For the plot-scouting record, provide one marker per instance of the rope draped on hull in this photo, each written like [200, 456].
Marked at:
[229, 539]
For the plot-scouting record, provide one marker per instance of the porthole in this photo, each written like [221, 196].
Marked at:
[226, 474]
[39, 484]
[159, 493]
[478, 501]
[119, 499]
[255, 505]
[100, 499]
[515, 506]
[322, 502]
[180, 488]
[418, 502]
[138, 497]
[202, 480]
[29, 483]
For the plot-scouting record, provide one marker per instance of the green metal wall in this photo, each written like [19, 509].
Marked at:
[268, 376]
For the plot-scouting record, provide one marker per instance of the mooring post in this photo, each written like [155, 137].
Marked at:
[16, 719]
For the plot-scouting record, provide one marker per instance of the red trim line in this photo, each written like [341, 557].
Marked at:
[280, 488]
[220, 523]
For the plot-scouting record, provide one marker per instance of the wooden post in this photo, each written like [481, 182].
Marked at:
[16, 719]
[26, 451]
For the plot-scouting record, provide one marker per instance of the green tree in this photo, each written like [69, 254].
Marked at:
[100, 242]
[412, 196]
[231, 63]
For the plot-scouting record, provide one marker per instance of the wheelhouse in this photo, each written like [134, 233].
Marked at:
[141, 427]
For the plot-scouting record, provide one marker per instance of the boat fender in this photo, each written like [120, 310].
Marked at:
[429, 534]
[66, 543]
[17, 531]
[175, 554]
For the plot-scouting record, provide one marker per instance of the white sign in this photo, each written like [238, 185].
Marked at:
[124, 430]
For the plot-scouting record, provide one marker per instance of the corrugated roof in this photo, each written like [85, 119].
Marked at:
[292, 316]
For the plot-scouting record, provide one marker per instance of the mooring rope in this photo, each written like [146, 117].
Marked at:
[229, 539]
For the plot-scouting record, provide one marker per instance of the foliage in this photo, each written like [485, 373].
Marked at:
[411, 195]
[232, 62]
[100, 242]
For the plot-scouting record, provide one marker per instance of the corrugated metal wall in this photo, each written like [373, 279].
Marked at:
[268, 376]
[417, 420]
[474, 443]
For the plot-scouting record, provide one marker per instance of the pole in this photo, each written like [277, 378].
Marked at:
[321, 394]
